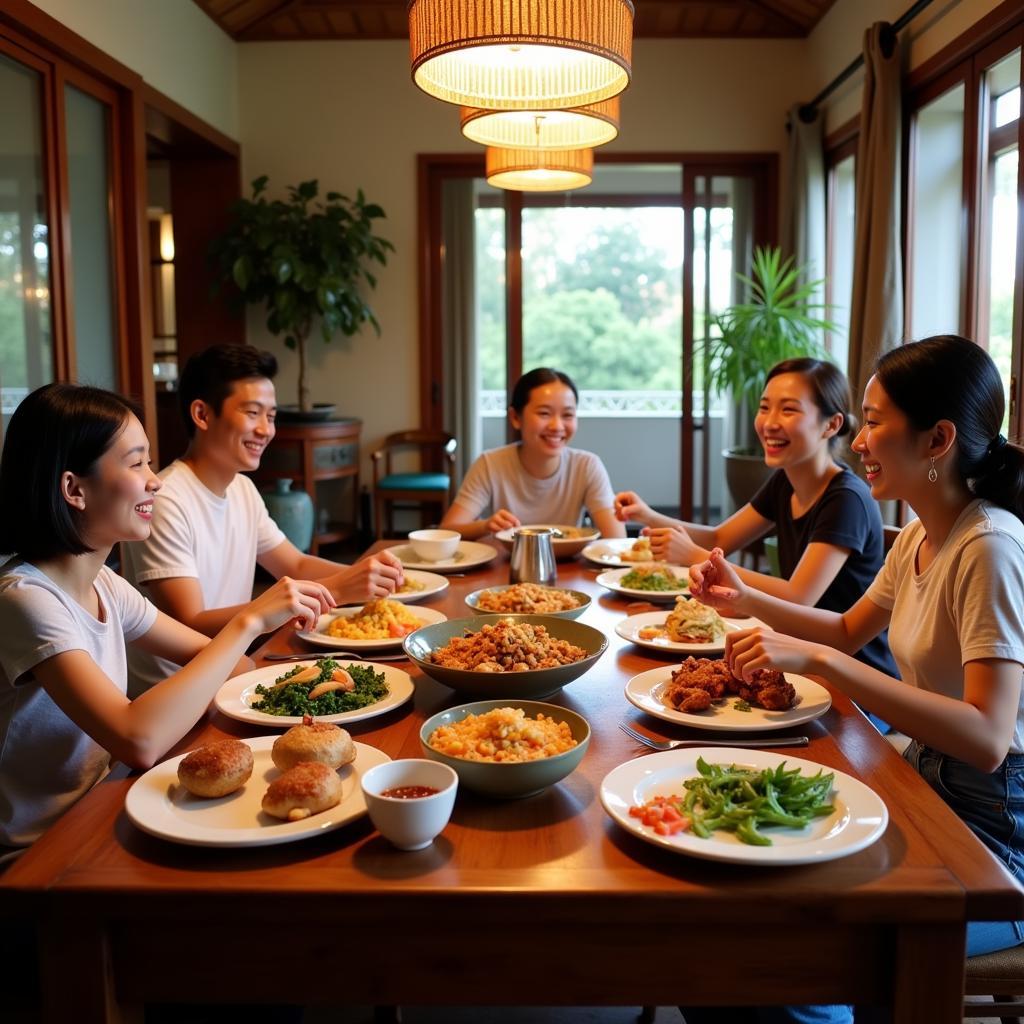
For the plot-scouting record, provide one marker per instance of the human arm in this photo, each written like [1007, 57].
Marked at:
[686, 543]
[373, 576]
[605, 521]
[977, 729]
[463, 520]
[717, 583]
[140, 732]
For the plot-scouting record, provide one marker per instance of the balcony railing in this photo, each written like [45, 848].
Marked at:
[627, 404]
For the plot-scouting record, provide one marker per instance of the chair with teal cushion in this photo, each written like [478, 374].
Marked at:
[425, 488]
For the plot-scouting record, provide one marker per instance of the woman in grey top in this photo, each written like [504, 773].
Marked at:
[951, 592]
[539, 479]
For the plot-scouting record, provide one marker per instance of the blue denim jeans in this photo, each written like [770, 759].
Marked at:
[992, 807]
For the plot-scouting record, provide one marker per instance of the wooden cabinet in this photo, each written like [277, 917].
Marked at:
[315, 455]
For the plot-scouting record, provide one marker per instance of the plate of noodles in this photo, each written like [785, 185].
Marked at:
[376, 625]
[690, 628]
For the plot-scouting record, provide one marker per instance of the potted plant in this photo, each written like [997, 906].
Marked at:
[777, 322]
[307, 261]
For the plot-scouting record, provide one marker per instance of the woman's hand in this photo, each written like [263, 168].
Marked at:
[629, 505]
[302, 600]
[673, 544]
[714, 582]
[748, 650]
[502, 520]
[376, 576]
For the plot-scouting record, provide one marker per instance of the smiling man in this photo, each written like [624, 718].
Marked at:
[210, 526]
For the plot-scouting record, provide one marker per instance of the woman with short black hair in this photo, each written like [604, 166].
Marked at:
[74, 481]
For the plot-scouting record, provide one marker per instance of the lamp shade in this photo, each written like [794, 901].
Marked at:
[521, 54]
[577, 128]
[535, 170]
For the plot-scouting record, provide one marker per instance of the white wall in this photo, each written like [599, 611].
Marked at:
[172, 44]
[348, 114]
[838, 38]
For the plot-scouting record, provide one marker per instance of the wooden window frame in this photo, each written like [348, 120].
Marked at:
[433, 169]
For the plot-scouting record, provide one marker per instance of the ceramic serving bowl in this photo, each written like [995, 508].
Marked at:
[530, 685]
[509, 780]
[567, 541]
[434, 545]
[473, 600]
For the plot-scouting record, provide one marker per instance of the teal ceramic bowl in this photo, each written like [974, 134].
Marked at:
[506, 686]
[503, 780]
[473, 600]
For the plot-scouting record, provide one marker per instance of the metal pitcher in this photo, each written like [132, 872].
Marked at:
[533, 557]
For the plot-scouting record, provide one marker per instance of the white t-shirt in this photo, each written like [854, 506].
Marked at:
[968, 603]
[46, 761]
[200, 535]
[498, 480]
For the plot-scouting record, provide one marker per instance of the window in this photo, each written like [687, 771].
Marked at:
[841, 200]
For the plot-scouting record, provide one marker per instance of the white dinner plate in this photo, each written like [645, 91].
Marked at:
[860, 817]
[236, 696]
[629, 629]
[158, 804]
[432, 584]
[612, 579]
[321, 638]
[609, 552]
[812, 701]
[469, 555]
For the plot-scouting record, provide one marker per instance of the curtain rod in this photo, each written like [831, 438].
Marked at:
[889, 32]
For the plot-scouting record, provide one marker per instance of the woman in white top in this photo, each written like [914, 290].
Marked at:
[74, 481]
[951, 592]
[539, 479]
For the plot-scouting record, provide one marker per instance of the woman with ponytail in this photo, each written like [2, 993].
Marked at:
[951, 592]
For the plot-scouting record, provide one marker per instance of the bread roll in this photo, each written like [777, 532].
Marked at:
[313, 741]
[216, 769]
[306, 789]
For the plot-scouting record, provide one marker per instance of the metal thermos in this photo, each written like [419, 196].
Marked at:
[533, 557]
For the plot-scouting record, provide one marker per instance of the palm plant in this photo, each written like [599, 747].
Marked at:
[778, 322]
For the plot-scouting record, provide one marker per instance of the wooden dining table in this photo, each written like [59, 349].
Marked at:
[539, 901]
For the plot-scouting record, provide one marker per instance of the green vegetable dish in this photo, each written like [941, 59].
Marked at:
[292, 699]
[652, 577]
[741, 799]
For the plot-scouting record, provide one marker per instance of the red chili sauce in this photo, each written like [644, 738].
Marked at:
[410, 792]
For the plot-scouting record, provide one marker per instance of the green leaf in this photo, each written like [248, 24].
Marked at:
[282, 270]
[291, 342]
[240, 271]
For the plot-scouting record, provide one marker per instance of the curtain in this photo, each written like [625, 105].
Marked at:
[803, 216]
[876, 308]
[458, 319]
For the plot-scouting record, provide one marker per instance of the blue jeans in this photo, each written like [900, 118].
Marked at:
[992, 807]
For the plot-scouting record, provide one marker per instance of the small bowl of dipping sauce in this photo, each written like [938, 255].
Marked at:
[410, 801]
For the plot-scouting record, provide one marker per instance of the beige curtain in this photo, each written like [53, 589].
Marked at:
[803, 216]
[458, 319]
[876, 309]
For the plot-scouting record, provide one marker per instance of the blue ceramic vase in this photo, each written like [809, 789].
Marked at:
[293, 511]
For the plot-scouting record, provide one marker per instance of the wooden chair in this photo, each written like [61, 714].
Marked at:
[996, 975]
[423, 487]
[889, 535]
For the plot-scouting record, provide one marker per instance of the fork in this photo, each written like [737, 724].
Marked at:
[370, 656]
[771, 741]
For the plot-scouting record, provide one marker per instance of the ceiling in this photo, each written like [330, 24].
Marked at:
[287, 20]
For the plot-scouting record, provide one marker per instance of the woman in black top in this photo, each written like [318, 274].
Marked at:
[828, 525]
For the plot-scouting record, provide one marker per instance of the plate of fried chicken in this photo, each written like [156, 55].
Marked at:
[703, 693]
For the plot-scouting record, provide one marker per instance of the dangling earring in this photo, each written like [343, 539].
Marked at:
[933, 473]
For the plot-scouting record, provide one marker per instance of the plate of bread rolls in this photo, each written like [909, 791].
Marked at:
[256, 792]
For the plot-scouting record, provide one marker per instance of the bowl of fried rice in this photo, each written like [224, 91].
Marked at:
[529, 599]
[506, 656]
[507, 748]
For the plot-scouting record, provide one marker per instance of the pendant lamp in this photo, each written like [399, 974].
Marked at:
[539, 170]
[578, 128]
[521, 54]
